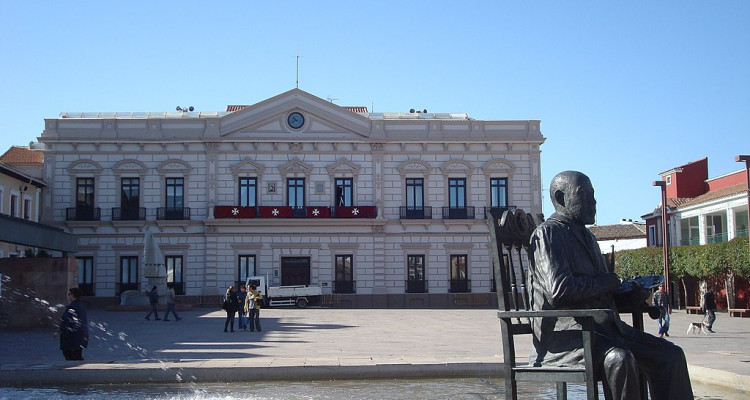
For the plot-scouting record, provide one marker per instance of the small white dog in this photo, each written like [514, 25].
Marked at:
[697, 328]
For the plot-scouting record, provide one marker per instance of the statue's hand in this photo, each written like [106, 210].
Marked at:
[631, 299]
[608, 281]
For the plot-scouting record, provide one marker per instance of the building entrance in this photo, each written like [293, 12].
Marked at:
[295, 271]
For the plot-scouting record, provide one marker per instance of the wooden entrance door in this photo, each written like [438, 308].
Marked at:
[295, 271]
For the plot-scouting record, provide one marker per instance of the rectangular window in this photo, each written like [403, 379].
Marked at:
[175, 273]
[415, 282]
[26, 209]
[459, 274]
[175, 196]
[13, 205]
[295, 192]
[457, 192]
[415, 267]
[248, 192]
[130, 193]
[245, 267]
[414, 193]
[499, 192]
[86, 275]
[128, 273]
[652, 235]
[84, 193]
[344, 192]
[344, 280]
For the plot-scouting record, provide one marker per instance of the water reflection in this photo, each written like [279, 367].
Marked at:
[453, 389]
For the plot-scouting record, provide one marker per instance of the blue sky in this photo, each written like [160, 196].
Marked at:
[624, 90]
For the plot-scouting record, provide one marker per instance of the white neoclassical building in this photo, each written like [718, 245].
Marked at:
[379, 209]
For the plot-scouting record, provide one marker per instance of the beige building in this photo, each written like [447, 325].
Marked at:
[20, 195]
[379, 209]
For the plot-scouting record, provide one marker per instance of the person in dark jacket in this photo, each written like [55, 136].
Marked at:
[74, 327]
[568, 271]
[709, 309]
[153, 299]
[661, 300]
[231, 305]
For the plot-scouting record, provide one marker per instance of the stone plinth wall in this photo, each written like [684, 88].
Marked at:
[32, 290]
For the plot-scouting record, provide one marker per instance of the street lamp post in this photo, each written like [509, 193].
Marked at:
[664, 233]
[746, 159]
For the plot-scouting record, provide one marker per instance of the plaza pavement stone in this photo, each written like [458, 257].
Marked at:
[320, 343]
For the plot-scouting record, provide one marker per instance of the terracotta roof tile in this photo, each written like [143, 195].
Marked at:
[619, 231]
[713, 195]
[22, 155]
[356, 109]
[233, 108]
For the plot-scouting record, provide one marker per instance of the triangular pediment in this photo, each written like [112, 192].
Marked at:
[269, 119]
[343, 166]
[296, 165]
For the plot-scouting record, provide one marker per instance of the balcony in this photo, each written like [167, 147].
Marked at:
[717, 238]
[83, 214]
[411, 212]
[690, 241]
[344, 287]
[173, 214]
[458, 212]
[179, 287]
[355, 212]
[87, 289]
[416, 286]
[121, 287]
[460, 286]
[128, 214]
[234, 212]
[741, 233]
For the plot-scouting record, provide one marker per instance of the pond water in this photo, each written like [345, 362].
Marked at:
[449, 389]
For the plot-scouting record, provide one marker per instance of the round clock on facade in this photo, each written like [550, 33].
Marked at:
[295, 120]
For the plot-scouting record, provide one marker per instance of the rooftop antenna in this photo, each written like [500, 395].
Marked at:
[297, 65]
[331, 99]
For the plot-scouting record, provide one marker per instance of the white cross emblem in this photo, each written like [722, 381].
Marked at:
[235, 211]
[355, 211]
[275, 212]
[316, 212]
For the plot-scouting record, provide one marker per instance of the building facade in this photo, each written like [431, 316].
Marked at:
[20, 195]
[700, 210]
[379, 209]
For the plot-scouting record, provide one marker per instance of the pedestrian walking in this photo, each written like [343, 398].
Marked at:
[661, 299]
[708, 306]
[170, 304]
[153, 299]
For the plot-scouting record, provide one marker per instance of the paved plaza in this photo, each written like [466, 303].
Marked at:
[317, 343]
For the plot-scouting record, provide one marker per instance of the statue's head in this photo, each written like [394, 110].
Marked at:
[573, 196]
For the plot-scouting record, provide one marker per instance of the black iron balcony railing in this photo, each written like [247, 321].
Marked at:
[411, 212]
[179, 287]
[416, 286]
[83, 214]
[458, 212]
[168, 213]
[128, 214]
[344, 287]
[460, 286]
[121, 287]
[87, 289]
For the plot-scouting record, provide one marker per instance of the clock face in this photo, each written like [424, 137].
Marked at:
[295, 120]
